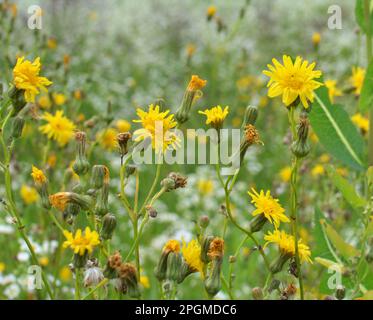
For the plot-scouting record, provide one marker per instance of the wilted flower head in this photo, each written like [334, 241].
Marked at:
[26, 77]
[216, 249]
[293, 80]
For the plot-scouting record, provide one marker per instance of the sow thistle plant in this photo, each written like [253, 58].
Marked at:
[109, 216]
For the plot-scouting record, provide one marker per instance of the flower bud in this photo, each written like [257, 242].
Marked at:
[340, 292]
[122, 139]
[101, 207]
[60, 200]
[213, 282]
[278, 264]
[18, 100]
[251, 114]
[174, 263]
[204, 221]
[81, 164]
[191, 95]
[300, 146]
[257, 223]
[72, 209]
[98, 176]
[109, 223]
[130, 170]
[161, 269]
[205, 248]
[257, 293]
[161, 103]
[152, 212]
[17, 127]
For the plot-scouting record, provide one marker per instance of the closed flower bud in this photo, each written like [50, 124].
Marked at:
[122, 139]
[257, 223]
[161, 103]
[18, 100]
[80, 260]
[72, 209]
[251, 114]
[204, 221]
[174, 263]
[17, 127]
[130, 170]
[152, 212]
[278, 264]
[101, 207]
[300, 146]
[172, 246]
[257, 293]
[81, 164]
[205, 248]
[213, 282]
[191, 95]
[340, 292]
[98, 176]
[109, 223]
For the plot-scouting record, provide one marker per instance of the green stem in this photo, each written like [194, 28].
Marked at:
[101, 284]
[294, 203]
[77, 284]
[369, 57]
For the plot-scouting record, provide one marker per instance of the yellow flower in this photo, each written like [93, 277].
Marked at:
[26, 77]
[123, 125]
[81, 243]
[65, 274]
[108, 138]
[58, 128]
[190, 49]
[59, 99]
[285, 174]
[44, 102]
[192, 255]
[144, 280]
[317, 170]
[172, 246]
[2, 267]
[357, 79]
[268, 206]
[205, 186]
[361, 122]
[333, 91]
[286, 244]
[196, 83]
[28, 194]
[293, 80]
[215, 116]
[324, 158]
[157, 126]
[52, 160]
[52, 43]
[38, 176]
[316, 38]
[211, 12]
[44, 261]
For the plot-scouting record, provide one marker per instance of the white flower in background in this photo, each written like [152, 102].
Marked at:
[12, 291]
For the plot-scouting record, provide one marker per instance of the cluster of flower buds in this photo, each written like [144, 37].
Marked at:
[173, 181]
[300, 146]
[213, 252]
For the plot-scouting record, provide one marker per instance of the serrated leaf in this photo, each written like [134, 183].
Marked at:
[345, 249]
[360, 15]
[336, 132]
[347, 189]
[366, 96]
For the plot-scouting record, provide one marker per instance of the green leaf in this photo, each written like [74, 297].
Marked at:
[336, 132]
[366, 96]
[347, 189]
[345, 249]
[321, 248]
[360, 15]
